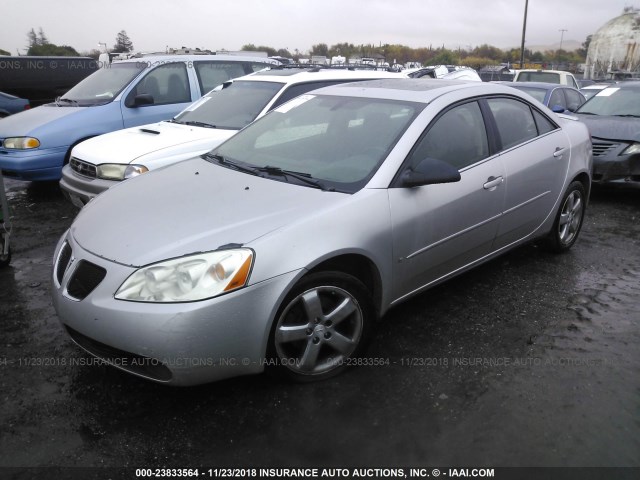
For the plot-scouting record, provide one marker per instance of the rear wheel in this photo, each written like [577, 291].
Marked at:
[569, 219]
[322, 325]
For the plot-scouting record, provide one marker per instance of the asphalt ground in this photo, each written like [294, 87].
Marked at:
[531, 360]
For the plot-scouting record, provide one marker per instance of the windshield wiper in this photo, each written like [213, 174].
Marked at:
[195, 123]
[66, 100]
[230, 163]
[628, 115]
[302, 176]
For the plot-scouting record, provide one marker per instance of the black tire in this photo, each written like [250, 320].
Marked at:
[323, 324]
[569, 218]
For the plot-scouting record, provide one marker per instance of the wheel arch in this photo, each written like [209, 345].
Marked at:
[358, 266]
[67, 155]
[583, 178]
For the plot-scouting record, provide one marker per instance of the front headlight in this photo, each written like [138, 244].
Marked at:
[631, 149]
[21, 143]
[190, 278]
[119, 171]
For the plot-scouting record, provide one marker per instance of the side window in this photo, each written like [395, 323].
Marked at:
[295, 90]
[166, 84]
[572, 82]
[514, 120]
[557, 98]
[543, 123]
[574, 99]
[212, 74]
[457, 137]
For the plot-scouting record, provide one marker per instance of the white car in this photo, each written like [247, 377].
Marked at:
[102, 162]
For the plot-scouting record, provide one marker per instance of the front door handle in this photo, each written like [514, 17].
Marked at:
[559, 151]
[492, 183]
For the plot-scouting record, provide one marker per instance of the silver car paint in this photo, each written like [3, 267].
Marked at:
[294, 228]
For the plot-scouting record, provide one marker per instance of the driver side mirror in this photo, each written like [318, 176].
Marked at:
[430, 171]
[143, 99]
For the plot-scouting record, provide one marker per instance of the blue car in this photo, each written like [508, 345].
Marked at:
[559, 98]
[37, 143]
[10, 104]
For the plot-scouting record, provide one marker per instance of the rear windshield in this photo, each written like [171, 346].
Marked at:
[104, 85]
[233, 106]
[537, 93]
[547, 77]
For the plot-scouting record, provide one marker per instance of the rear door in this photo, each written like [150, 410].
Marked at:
[535, 153]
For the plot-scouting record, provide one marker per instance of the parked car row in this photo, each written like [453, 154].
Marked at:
[37, 143]
[101, 162]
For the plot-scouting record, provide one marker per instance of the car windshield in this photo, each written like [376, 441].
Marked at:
[338, 141]
[232, 107]
[537, 93]
[614, 101]
[104, 85]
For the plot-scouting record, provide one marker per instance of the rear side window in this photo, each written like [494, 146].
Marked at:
[213, 73]
[295, 90]
[514, 120]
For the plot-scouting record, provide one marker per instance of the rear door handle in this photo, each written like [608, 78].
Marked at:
[559, 151]
[492, 183]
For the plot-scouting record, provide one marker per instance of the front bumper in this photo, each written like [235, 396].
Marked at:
[79, 189]
[33, 165]
[173, 343]
[611, 166]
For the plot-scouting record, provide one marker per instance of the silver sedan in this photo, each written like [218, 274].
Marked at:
[283, 246]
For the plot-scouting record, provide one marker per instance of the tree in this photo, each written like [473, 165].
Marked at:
[123, 43]
[32, 38]
[4, 52]
[321, 49]
[42, 38]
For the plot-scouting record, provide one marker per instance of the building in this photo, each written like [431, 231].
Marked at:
[614, 51]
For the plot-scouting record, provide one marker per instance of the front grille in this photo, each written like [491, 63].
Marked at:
[84, 279]
[63, 261]
[82, 168]
[600, 149]
[138, 364]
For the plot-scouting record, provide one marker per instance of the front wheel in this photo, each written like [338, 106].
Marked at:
[322, 325]
[569, 219]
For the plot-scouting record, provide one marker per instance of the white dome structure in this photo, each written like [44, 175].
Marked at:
[615, 47]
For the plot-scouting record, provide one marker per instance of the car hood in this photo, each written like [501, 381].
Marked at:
[30, 121]
[611, 127]
[160, 139]
[193, 206]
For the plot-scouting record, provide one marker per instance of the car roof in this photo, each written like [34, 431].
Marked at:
[154, 60]
[414, 89]
[542, 85]
[626, 84]
[543, 70]
[302, 75]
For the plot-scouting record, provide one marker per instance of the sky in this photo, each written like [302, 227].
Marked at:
[299, 24]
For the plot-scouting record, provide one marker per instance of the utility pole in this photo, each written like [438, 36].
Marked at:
[562, 30]
[524, 31]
